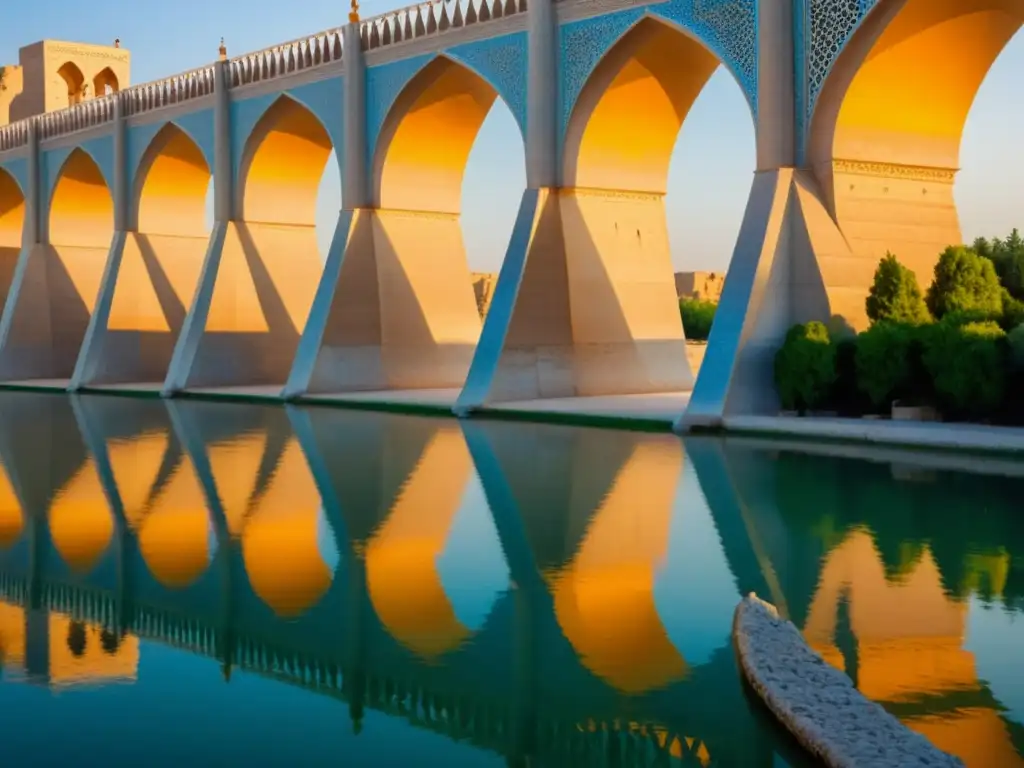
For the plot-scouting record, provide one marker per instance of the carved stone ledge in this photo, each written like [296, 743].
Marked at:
[895, 171]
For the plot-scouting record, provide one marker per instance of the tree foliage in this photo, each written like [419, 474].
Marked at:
[805, 367]
[895, 295]
[964, 281]
[698, 315]
[967, 365]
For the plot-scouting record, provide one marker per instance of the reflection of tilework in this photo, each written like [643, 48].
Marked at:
[827, 26]
[501, 61]
[383, 84]
[728, 28]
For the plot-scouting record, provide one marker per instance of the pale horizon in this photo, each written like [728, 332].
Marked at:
[712, 166]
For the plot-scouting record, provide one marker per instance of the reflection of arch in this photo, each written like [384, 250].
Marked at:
[427, 136]
[902, 88]
[75, 81]
[12, 519]
[171, 185]
[402, 577]
[12, 211]
[604, 599]
[105, 83]
[81, 524]
[288, 546]
[627, 118]
[282, 164]
[81, 207]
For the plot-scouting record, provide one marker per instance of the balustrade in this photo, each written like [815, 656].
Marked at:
[431, 18]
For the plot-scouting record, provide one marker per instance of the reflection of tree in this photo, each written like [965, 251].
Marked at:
[77, 639]
[846, 640]
[110, 642]
[967, 522]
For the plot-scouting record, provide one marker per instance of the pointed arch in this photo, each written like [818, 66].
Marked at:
[105, 82]
[81, 206]
[12, 211]
[903, 85]
[74, 80]
[886, 129]
[171, 185]
[427, 135]
[283, 161]
[623, 127]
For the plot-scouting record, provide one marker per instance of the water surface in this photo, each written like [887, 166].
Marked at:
[215, 584]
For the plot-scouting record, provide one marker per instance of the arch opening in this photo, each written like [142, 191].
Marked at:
[12, 223]
[105, 83]
[426, 140]
[620, 150]
[172, 187]
[416, 309]
[270, 265]
[81, 207]
[284, 161]
[74, 80]
[886, 135]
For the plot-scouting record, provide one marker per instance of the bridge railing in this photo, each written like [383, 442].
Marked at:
[282, 59]
[390, 28]
[14, 135]
[432, 18]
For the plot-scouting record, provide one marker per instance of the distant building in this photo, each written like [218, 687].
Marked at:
[483, 288]
[699, 285]
[53, 74]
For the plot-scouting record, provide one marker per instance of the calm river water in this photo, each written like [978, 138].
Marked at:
[191, 583]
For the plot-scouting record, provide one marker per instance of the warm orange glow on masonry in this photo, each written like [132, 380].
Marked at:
[283, 163]
[627, 119]
[906, 97]
[81, 209]
[427, 137]
[173, 181]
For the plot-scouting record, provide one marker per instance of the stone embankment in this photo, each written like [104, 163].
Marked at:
[818, 703]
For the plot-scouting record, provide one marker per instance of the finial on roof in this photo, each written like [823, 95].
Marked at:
[223, 50]
[353, 15]
[117, 42]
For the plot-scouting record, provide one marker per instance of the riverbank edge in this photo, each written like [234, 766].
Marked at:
[817, 703]
[950, 438]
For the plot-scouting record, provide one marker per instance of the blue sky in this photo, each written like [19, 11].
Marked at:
[711, 169]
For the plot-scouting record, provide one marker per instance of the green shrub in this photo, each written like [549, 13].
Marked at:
[895, 295]
[805, 367]
[885, 370]
[964, 281]
[1015, 342]
[698, 315]
[1013, 312]
[967, 365]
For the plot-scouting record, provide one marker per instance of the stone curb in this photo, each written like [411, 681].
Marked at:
[817, 703]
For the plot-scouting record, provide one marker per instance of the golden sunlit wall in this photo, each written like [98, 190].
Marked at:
[81, 208]
[627, 119]
[173, 179]
[425, 142]
[283, 162]
[905, 97]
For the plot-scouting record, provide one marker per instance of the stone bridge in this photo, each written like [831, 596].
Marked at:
[110, 277]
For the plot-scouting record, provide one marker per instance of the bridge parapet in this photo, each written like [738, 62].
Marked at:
[14, 135]
[285, 58]
[432, 18]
